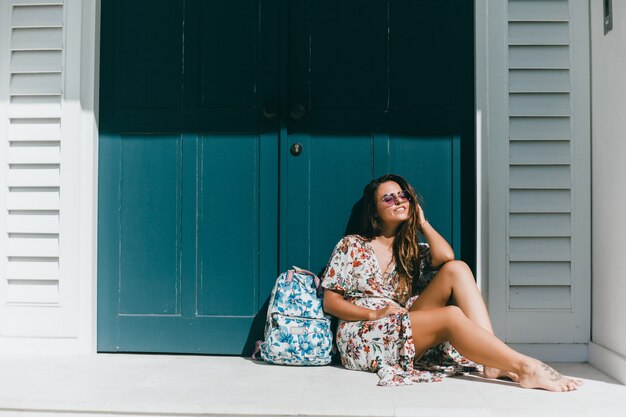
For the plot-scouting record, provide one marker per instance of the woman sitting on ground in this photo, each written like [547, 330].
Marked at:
[370, 278]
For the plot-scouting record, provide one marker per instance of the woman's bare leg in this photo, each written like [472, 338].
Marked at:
[449, 323]
[455, 279]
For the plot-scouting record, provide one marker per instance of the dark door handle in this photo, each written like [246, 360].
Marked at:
[270, 111]
[297, 111]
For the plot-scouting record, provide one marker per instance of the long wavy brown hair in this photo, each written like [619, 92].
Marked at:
[405, 244]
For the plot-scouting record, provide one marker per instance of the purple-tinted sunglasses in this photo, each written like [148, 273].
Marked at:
[390, 199]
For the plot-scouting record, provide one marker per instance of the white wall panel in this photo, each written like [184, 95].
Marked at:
[608, 352]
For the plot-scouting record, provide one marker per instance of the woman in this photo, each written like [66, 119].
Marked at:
[370, 278]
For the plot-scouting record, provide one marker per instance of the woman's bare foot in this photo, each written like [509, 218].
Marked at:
[495, 373]
[540, 375]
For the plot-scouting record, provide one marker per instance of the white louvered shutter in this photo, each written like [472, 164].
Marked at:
[33, 165]
[545, 296]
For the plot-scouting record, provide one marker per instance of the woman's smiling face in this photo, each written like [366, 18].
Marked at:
[398, 211]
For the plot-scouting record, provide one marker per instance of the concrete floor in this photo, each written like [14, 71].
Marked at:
[168, 385]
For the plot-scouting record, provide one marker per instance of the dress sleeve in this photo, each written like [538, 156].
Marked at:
[426, 271]
[338, 273]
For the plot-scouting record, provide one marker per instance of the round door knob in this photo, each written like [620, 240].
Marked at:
[296, 149]
[297, 111]
[270, 111]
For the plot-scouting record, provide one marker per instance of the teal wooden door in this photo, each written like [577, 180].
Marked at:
[202, 203]
[188, 173]
[375, 87]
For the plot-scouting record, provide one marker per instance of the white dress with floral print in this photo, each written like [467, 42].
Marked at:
[386, 345]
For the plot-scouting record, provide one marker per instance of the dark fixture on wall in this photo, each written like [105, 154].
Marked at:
[608, 16]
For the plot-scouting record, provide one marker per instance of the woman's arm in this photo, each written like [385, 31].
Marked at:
[336, 305]
[440, 251]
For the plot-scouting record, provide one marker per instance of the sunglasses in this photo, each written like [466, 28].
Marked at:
[390, 199]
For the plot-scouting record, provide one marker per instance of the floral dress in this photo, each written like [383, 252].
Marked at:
[386, 345]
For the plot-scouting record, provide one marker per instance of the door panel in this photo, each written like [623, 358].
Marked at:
[228, 52]
[149, 214]
[347, 54]
[145, 42]
[228, 225]
[338, 64]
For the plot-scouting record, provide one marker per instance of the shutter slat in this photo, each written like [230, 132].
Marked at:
[36, 61]
[540, 201]
[539, 176]
[540, 273]
[32, 268]
[538, 33]
[539, 128]
[34, 131]
[551, 10]
[33, 223]
[36, 108]
[32, 291]
[541, 57]
[36, 84]
[539, 81]
[37, 16]
[34, 176]
[539, 152]
[539, 104]
[34, 154]
[33, 200]
[553, 297]
[37, 39]
[540, 249]
[540, 225]
[33, 246]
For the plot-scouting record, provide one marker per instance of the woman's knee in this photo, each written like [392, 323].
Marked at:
[452, 317]
[452, 313]
[436, 325]
[457, 270]
[430, 327]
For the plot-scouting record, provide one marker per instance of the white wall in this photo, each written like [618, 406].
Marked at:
[608, 57]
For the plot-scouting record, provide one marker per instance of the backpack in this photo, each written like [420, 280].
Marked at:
[297, 332]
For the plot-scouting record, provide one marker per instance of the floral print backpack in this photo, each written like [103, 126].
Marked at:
[297, 332]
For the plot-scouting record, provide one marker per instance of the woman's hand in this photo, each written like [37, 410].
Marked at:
[390, 310]
[421, 219]
[440, 250]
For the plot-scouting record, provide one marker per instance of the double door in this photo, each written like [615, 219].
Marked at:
[235, 140]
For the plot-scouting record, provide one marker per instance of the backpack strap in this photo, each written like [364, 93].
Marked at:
[305, 272]
[257, 349]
